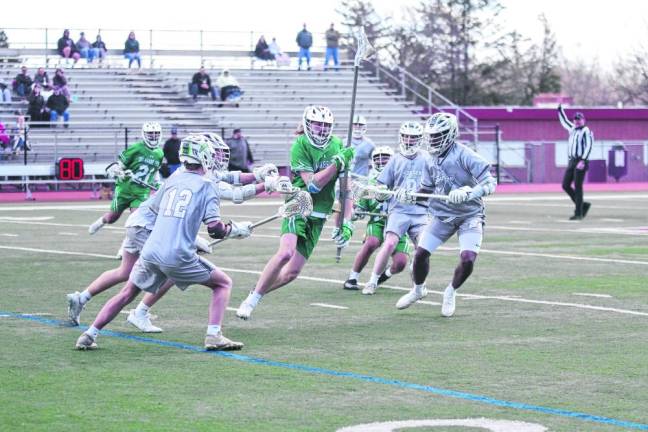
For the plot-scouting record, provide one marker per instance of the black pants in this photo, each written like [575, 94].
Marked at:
[577, 177]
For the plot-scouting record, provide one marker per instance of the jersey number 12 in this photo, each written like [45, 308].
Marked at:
[177, 206]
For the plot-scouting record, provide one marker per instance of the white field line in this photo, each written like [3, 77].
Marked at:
[568, 206]
[63, 233]
[340, 282]
[232, 309]
[35, 218]
[330, 306]
[611, 220]
[106, 206]
[9, 235]
[592, 295]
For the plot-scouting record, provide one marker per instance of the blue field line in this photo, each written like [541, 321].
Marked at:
[354, 376]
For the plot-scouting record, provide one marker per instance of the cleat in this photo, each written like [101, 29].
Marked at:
[96, 226]
[221, 343]
[383, 278]
[351, 284]
[369, 289]
[74, 307]
[448, 306]
[410, 298]
[142, 322]
[576, 218]
[120, 253]
[244, 310]
[85, 342]
[586, 207]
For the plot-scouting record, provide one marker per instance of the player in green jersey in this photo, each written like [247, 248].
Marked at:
[316, 159]
[374, 234]
[137, 166]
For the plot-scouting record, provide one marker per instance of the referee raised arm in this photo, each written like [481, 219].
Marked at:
[578, 150]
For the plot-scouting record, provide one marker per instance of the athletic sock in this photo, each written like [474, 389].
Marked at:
[85, 297]
[213, 329]
[141, 310]
[254, 298]
[374, 278]
[419, 288]
[93, 332]
[354, 275]
[388, 273]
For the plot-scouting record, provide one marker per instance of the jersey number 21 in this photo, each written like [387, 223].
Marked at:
[176, 203]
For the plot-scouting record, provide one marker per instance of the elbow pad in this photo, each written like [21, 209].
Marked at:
[312, 188]
[485, 188]
[243, 193]
[231, 177]
[218, 231]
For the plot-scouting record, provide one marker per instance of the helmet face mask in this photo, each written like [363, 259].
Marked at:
[441, 130]
[359, 127]
[152, 134]
[409, 138]
[318, 125]
[198, 150]
[220, 151]
[380, 157]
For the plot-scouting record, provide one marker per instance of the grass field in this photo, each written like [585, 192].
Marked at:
[552, 329]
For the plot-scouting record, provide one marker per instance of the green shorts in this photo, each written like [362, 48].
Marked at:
[126, 198]
[307, 230]
[377, 229]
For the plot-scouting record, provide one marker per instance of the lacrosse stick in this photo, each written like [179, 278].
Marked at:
[114, 170]
[301, 204]
[375, 189]
[363, 52]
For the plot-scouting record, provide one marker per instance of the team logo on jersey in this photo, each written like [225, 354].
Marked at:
[443, 183]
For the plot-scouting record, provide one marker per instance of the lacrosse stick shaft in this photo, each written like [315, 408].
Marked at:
[254, 225]
[141, 183]
[415, 194]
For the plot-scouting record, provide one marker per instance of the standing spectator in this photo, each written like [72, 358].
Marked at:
[201, 84]
[240, 153]
[58, 104]
[66, 47]
[99, 48]
[85, 48]
[37, 110]
[305, 42]
[578, 150]
[262, 50]
[4, 138]
[131, 50]
[171, 153]
[5, 93]
[332, 47]
[229, 86]
[22, 83]
[60, 81]
[42, 79]
[19, 133]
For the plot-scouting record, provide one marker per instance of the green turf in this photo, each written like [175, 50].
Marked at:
[563, 357]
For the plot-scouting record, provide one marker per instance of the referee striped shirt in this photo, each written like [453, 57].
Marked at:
[580, 138]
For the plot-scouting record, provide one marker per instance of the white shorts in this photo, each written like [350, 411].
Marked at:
[401, 224]
[149, 276]
[135, 239]
[470, 232]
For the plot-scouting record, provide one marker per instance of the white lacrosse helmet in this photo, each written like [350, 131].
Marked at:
[318, 125]
[152, 134]
[197, 149]
[380, 156]
[221, 151]
[410, 136]
[441, 130]
[359, 126]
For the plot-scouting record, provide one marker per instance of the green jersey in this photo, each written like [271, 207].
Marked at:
[371, 205]
[306, 157]
[143, 161]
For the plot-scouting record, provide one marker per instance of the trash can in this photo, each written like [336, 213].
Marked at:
[617, 162]
[596, 172]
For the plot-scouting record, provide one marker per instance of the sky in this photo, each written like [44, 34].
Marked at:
[587, 29]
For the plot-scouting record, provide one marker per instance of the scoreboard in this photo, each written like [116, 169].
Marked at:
[69, 169]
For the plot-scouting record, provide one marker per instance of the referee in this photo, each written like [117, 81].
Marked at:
[578, 150]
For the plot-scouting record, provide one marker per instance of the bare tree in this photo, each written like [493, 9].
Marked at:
[587, 83]
[631, 78]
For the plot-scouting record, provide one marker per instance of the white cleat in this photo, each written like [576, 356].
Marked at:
[96, 226]
[245, 310]
[221, 343]
[410, 298]
[448, 306]
[85, 342]
[142, 323]
[74, 307]
[369, 288]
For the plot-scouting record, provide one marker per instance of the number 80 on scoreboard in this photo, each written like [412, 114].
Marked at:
[69, 169]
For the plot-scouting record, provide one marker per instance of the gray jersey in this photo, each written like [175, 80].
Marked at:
[186, 200]
[410, 174]
[363, 149]
[460, 166]
[143, 217]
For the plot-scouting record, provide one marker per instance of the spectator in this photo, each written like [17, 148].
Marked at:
[5, 93]
[66, 47]
[37, 110]
[281, 58]
[201, 84]
[332, 47]
[131, 50]
[171, 153]
[229, 86]
[85, 48]
[60, 81]
[305, 42]
[58, 105]
[22, 83]
[99, 48]
[19, 133]
[240, 153]
[42, 79]
[4, 138]
[262, 50]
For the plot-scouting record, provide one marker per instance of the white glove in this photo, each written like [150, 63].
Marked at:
[203, 245]
[279, 184]
[240, 230]
[382, 196]
[116, 170]
[260, 173]
[458, 196]
[405, 196]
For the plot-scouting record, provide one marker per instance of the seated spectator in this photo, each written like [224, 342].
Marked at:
[42, 79]
[229, 86]
[66, 47]
[171, 154]
[131, 51]
[58, 105]
[85, 48]
[201, 84]
[22, 83]
[4, 138]
[240, 154]
[99, 48]
[60, 81]
[262, 50]
[37, 110]
[5, 93]
[282, 58]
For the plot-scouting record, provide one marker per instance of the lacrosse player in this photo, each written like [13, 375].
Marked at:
[317, 158]
[187, 199]
[405, 171]
[362, 144]
[137, 167]
[374, 234]
[465, 177]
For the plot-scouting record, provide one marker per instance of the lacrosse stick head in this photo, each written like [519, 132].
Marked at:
[300, 204]
[364, 49]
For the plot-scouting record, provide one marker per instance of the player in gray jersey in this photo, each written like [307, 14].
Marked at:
[406, 171]
[187, 200]
[363, 146]
[465, 177]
